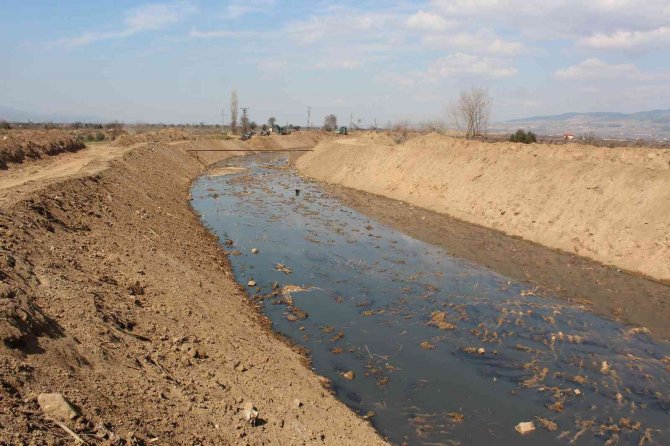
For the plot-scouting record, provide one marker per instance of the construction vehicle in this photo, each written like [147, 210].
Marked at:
[281, 130]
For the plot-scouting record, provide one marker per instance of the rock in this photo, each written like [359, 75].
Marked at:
[349, 375]
[56, 406]
[250, 413]
[369, 415]
[604, 368]
[254, 251]
[577, 392]
[481, 350]
[525, 427]
[251, 283]
[297, 403]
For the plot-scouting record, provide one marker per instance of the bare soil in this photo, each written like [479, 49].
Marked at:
[603, 289]
[610, 205]
[20, 145]
[114, 295]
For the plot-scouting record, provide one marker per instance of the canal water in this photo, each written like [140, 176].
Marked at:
[441, 350]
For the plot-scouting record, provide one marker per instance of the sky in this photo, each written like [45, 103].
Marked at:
[378, 61]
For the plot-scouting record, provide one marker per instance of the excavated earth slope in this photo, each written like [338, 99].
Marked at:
[113, 295]
[19, 145]
[611, 205]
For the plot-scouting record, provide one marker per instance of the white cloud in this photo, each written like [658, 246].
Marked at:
[156, 16]
[337, 64]
[481, 42]
[559, 19]
[238, 8]
[595, 68]
[227, 34]
[463, 64]
[148, 17]
[628, 40]
[352, 26]
[428, 21]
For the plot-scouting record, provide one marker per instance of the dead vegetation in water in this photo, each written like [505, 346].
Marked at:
[439, 319]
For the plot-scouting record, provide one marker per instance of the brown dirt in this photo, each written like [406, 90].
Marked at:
[630, 299]
[294, 140]
[113, 294]
[166, 135]
[19, 145]
[610, 205]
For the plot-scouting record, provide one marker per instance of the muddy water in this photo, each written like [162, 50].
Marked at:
[442, 350]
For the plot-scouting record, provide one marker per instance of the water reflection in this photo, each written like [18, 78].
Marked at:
[433, 349]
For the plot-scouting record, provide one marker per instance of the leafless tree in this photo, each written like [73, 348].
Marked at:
[233, 112]
[245, 120]
[471, 112]
[330, 123]
[272, 121]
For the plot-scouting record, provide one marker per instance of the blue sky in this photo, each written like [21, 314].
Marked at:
[178, 61]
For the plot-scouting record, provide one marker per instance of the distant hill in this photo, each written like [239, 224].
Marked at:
[14, 115]
[652, 124]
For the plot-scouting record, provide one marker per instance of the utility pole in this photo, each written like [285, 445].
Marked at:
[223, 120]
[309, 115]
[375, 123]
[351, 120]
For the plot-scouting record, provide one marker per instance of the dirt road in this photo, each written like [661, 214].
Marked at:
[114, 295]
[26, 178]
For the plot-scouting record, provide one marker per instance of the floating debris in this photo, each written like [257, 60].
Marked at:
[283, 268]
[525, 427]
[547, 424]
[427, 345]
[439, 319]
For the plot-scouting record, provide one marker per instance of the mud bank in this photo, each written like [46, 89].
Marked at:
[114, 295]
[610, 205]
[630, 299]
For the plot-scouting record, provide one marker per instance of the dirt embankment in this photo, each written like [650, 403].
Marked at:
[295, 140]
[19, 145]
[611, 205]
[114, 295]
[166, 135]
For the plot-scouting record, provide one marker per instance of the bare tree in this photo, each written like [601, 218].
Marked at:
[245, 120]
[272, 121]
[330, 123]
[471, 112]
[233, 112]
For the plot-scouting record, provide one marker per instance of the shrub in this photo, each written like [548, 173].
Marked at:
[99, 136]
[523, 137]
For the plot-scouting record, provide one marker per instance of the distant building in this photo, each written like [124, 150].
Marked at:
[568, 136]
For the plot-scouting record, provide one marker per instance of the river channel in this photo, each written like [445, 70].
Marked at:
[433, 349]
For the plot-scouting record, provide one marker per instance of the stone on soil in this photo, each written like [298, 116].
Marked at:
[56, 406]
